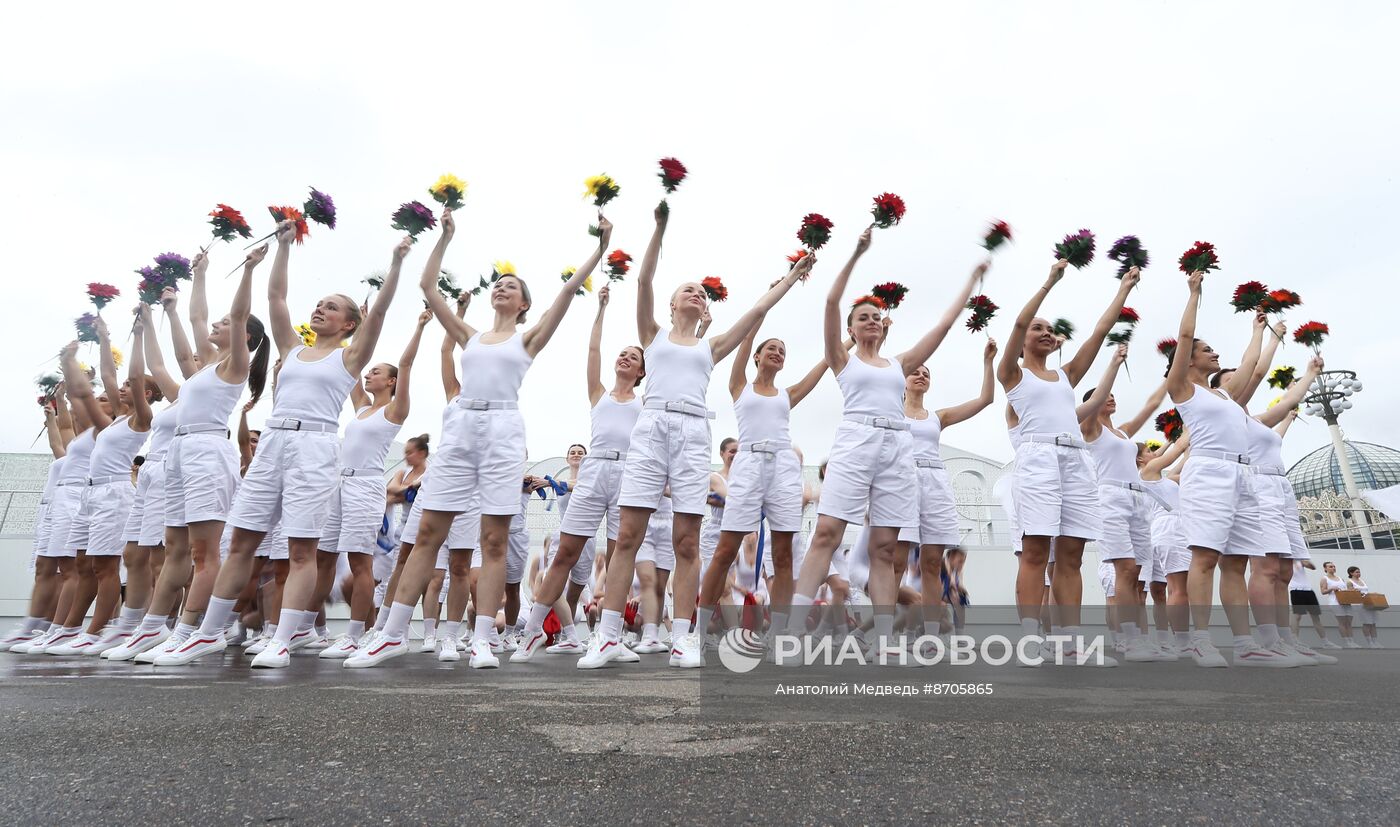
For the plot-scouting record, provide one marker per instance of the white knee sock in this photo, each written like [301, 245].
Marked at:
[450, 630]
[287, 625]
[216, 615]
[355, 630]
[129, 617]
[429, 626]
[484, 629]
[680, 628]
[396, 626]
[538, 613]
[1268, 634]
[610, 625]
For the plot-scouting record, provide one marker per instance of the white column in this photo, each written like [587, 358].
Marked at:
[1358, 505]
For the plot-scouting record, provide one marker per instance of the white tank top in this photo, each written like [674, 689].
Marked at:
[927, 434]
[868, 390]
[115, 448]
[762, 417]
[163, 428]
[1044, 407]
[611, 423]
[366, 441]
[1359, 585]
[494, 372]
[1330, 598]
[312, 392]
[1215, 422]
[78, 456]
[205, 399]
[1299, 581]
[1115, 458]
[678, 373]
[1265, 446]
[55, 474]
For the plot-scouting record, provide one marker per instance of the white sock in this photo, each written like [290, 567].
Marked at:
[216, 615]
[355, 630]
[538, 613]
[381, 618]
[801, 607]
[1268, 634]
[931, 628]
[307, 621]
[1163, 636]
[570, 633]
[1287, 634]
[287, 625]
[396, 627]
[429, 626]
[129, 617]
[1243, 641]
[611, 625]
[320, 629]
[778, 623]
[450, 630]
[649, 631]
[269, 630]
[1130, 631]
[702, 619]
[1030, 626]
[1183, 638]
[679, 628]
[484, 628]
[884, 628]
[184, 630]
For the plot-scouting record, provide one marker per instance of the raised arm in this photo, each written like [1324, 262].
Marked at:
[245, 437]
[1179, 375]
[199, 312]
[538, 336]
[361, 348]
[972, 407]
[64, 415]
[739, 370]
[1088, 411]
[1154, 401]
[179, 342]
[808, 383]
[1238, 380]
[284, 334]
[1261, 367]
[594, 371]
[1077, 367]
[136, 376]
[56, 444]
[705, 321]
[457, 329]
[107, 365]
[1294, 395]
[80, 388]
[1009, 369]
[451, 386]
[929, 342]
[1160, 463]
[169, 388]
[832, 326]
[398, 406]
[235, 368]
[646, 275]
[724, 343]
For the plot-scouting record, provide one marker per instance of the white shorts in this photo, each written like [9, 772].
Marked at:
[582, 570]
[938, 511]
[201, 478]
[102, 511]
[672, 448]
[594, 499]
[277, 548]
[1003, 491]
[656, 545]
[62, 510]
[41, 531]
[1278, 507]
[292, 479]
[1219, 508]
[517, 553]
[464, 533]
[384, 563]
[1365, 616]
[1056, 491]
[1173, 559]
[868, 472]
[482, 456]
[767, 486]
[1127, 530]
[145, 524]
[1338, 609]
[356, 513]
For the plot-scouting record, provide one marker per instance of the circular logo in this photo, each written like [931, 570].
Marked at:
[740, 650]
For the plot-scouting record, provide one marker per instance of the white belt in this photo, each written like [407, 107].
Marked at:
[1228, 456]
[929, 463]
[361, 472]
[155, 456]
[1271, 470]
[61, 483]
[1146, 490]
[766, 446]
[43, 503]
[107, 479]
[486, 404]
[298, 425]
[607, 454]
[687, 408]
[885, 422]
[1063, 440]
[199, 428]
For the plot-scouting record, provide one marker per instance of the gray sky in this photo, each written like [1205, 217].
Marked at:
[1267, 129]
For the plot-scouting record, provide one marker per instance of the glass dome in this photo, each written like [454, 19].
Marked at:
[1373, 466]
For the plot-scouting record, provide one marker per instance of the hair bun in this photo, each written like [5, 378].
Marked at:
[423, 438]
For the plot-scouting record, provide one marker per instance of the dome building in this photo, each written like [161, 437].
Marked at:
[1372, 466]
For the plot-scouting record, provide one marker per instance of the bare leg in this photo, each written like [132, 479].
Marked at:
[107, 573]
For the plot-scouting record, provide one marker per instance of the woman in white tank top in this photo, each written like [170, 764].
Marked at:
[357, 507]
[1053, 482]
[765, 479]
[592, 499]
[938, 518]
[670, 447]
[293, 474]
[872, 453]
[482, 454]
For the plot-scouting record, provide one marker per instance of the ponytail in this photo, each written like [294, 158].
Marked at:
[257, 366]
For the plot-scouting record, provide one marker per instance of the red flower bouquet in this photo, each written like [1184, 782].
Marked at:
[1311, 334]
[672, 174]
[998, 234]
[229, 223]
[1249, 296]
[280, 214]
[102, 294]
[1201, 257]
[891, 293]
[1280, 300]
[815, 231]
[888, 210]
[714, 288]
[983, 309]
[1077, 249]
[1170, 425]
[618, 264]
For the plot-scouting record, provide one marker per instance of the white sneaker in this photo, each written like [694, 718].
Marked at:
[252, 639]
[428, 645]
[1204, 653]
[650, 646]
[601, 652]
[566, 646]
[1255, 655]
[236, 634]
[530, 644]
[318, 643]
[136, 644]
[1073, 657]
[1350, 643]
[16, 637]
[28, 647]
[275, 656]
[510, 641]
[447, 650]
[687, 652]
[170, 645]
[1293, 656]
[375, 652]
[1376, 643]
[630, 640]
[1141, 650]
[194, 647]
[1328, 644]
[301, 640]
[77, 646]
[1312, 656]
[258, 645]
[482, 656]
[343, 647]
[55, 640]
[109, 640]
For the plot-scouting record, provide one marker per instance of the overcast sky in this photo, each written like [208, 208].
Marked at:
[1268, 129]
